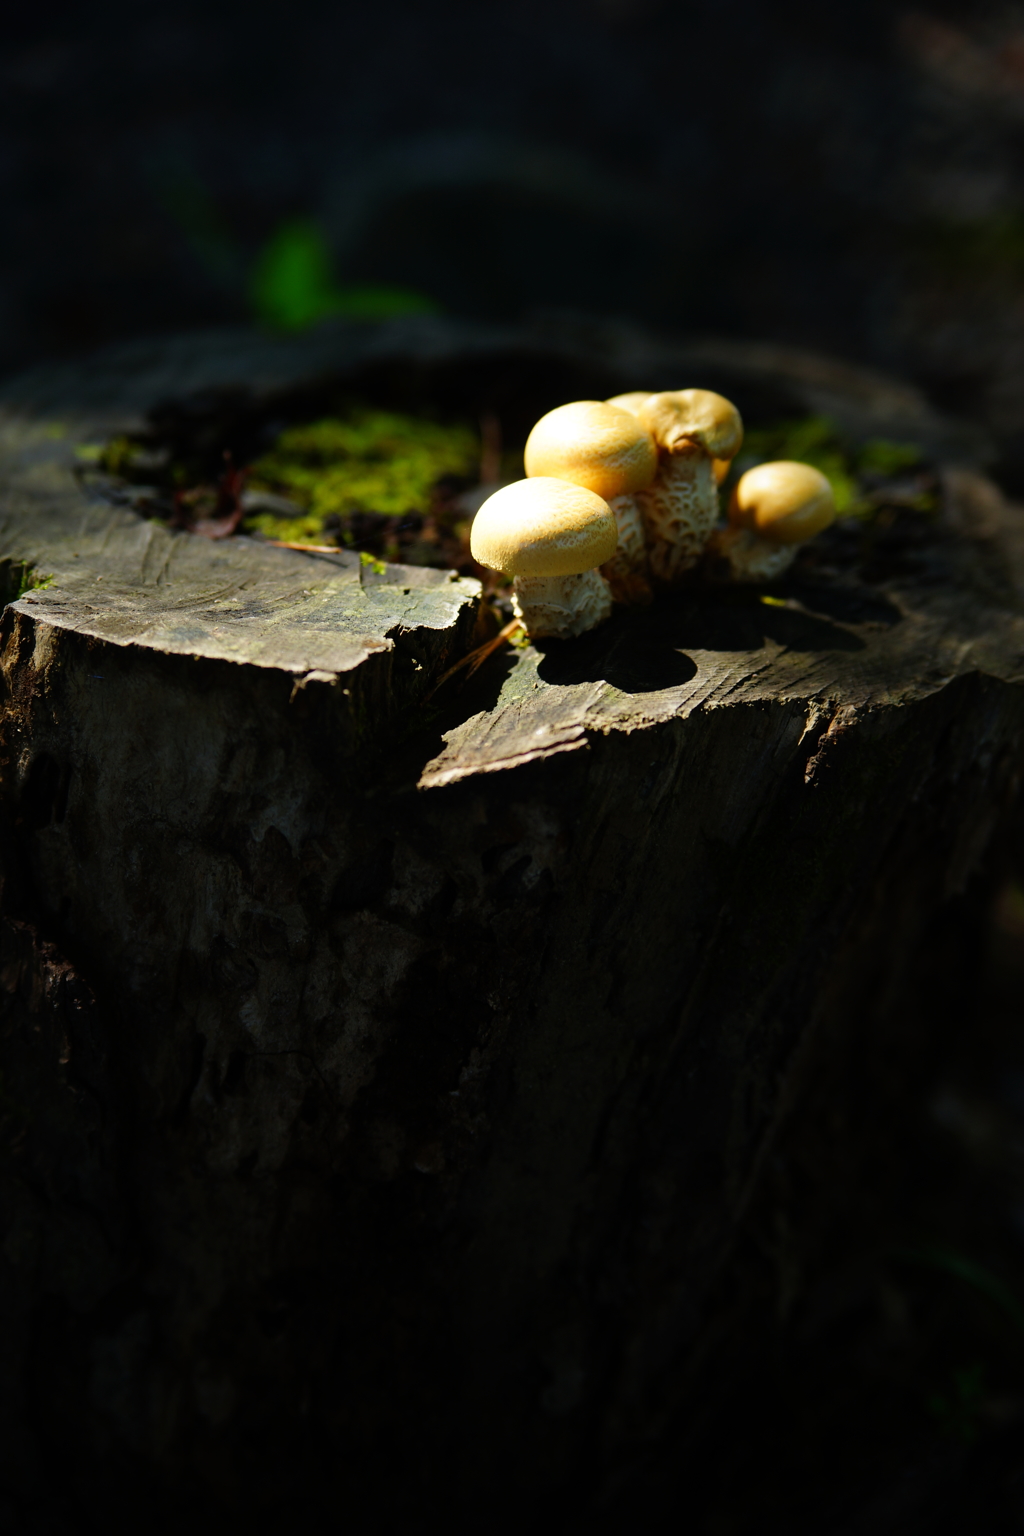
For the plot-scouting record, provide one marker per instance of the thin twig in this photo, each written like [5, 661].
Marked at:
[313, 549]
[477, 658]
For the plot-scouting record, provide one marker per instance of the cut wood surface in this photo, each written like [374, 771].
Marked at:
[386, 1074]
[113, 576]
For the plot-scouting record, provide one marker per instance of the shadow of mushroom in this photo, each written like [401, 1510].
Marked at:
[845, 604]
[801, 619]
[644, 651]
[800, 631]
[635, 652]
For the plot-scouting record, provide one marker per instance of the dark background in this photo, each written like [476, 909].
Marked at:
[843, 176]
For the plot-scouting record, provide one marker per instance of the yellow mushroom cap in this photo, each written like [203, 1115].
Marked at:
[631, 401]
[543, 527]
[785, 502]
[595, 445]
[680, 416]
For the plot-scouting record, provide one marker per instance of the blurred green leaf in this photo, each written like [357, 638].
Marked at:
[293, 285]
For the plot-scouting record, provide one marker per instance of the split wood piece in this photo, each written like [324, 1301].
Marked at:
[378, 636]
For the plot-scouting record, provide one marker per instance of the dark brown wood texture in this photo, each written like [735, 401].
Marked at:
[385, 1076]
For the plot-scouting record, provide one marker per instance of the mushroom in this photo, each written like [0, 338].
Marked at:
[774, 508]
[605, 449]
[692, 428]
[549, 534]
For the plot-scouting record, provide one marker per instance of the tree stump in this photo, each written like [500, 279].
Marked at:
[385, 1073]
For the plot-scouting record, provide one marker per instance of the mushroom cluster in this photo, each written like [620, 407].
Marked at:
[621, 499]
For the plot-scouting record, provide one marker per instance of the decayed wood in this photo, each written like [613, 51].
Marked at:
[113, 576]
[384, 1101]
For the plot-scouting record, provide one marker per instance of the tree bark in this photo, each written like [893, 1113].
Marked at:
[385, 1074]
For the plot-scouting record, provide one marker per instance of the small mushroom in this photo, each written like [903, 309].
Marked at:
[774, 508]
[595, 444]
[550, 534]
[692, 428]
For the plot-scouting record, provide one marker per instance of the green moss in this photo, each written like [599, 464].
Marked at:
[17, 577]
[882, 457]
[291, 530]
[116, 456]
[372, 480]
[816, 440]
[370, 461]
[811, 440]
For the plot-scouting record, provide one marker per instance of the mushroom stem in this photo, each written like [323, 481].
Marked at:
[752, 558]
[679, 510]
[626, 571]
[561, 605]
